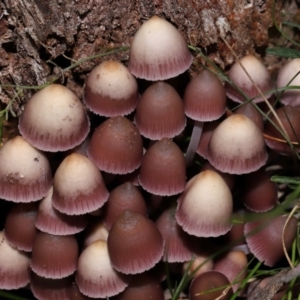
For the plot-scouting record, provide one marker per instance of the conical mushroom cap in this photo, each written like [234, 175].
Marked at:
[134, 243]
[205, 207]
[54, 119]
[152, 62]
[111, 90]
[237, 146]
[25, 173]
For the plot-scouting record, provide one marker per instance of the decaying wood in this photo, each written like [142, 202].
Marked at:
[35, 31]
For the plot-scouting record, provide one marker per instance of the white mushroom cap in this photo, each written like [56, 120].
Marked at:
[95, 276]
[158, 51]
[205, 207]
[259, 74]
[25, 174]
[237, 146]
[54, 119]
[14, 266]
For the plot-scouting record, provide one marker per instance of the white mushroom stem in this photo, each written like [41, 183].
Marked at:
[194, 142]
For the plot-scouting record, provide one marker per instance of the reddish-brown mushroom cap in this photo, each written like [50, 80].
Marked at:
[163, 169]
[116, 146]
[20, 227]
[264, 238]
[25, 173]
[54, 256]
[124, 196]
[50, 289]
[54, 119]
[210, 285]
[111, 90]
[259, 193]
[160, 112]
[142, 286]
[290, 119]
[204, 97]
[179, 246]
[148, 61]
[134, 243]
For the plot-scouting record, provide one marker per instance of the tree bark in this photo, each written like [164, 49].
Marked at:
[32, 32]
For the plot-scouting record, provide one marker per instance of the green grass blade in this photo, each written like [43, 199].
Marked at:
[283, 52]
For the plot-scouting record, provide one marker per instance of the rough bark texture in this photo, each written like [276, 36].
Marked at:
[35, 31]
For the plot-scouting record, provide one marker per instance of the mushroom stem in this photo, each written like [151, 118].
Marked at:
[194, 141]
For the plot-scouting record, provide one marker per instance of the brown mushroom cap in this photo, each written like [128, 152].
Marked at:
[116, 146]
[264, 238]
[163, 170]
[50, 289]
[204, 97]
[134, 243]
[20, 227]
[290, 119]
[160, 112]
[54, 256]
[124, 196]
[54, 119]
[210, 285]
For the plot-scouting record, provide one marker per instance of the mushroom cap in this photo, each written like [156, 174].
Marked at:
[50, 289]
[111, 90]
[51, 221]
[78, 186]
[284, 78]
[54, 119]
[116, 146]
[25, 173]
[160, 112]
[20, 227]
[149, 61]
[259, 74]
[264, 237]
[14, 266]
[163, 169]
[179, 246]
[54, 256]
[205, 207]
[204, 97]
[290, 119]
[142, 286]
[210, 285]
[237, 146]
[124, 196]
[134, 243]
[95, 276]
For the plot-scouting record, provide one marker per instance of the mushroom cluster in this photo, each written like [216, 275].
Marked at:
[96, 209]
